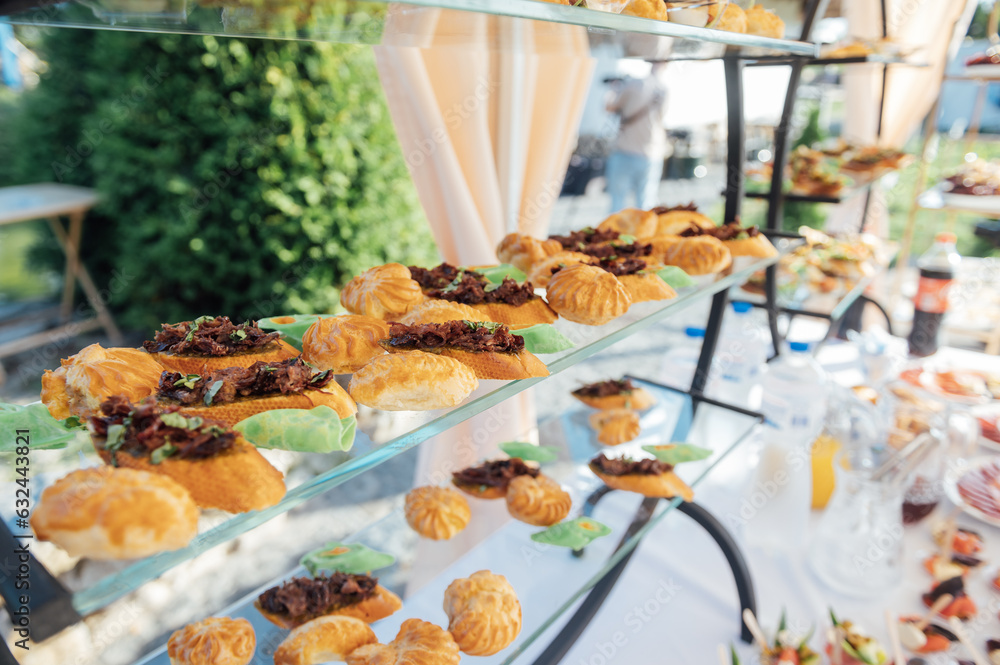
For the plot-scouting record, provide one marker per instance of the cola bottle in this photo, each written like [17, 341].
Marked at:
[938, 266]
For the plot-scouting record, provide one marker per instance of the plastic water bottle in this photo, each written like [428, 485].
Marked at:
[776, 510]
[740, 357]
[681, 362]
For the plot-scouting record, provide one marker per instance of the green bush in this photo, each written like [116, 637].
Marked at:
[239, 177]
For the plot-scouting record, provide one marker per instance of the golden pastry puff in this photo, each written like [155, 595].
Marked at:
[615, 426]
[588, 295]
[537, 501]
[438, 513]
[441, 311]
[417, 643]
[660, 245]
[674, 222]
[213, 641]
[522, 251]
[764, 23]
[484, 615]
[328, 638]
[86, 379]
[412, 381]
[631, 221]
[656, 9]
[343, 344]
[646, 286]
[108, 513]
[541, 272]
[733, 19]
[699, 255]
[384, 292]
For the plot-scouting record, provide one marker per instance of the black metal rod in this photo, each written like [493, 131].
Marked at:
[591, 605]
[815, 9]
[713, 330]
[885, 20]
[741, 572]
[696, 398]
[736, 136]
[43, 608]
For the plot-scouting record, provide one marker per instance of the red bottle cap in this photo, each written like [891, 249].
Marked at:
[945, 236]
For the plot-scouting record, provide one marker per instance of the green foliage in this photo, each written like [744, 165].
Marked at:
[797, 213]
[238, 177]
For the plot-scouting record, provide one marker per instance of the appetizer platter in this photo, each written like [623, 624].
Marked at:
[544, 488]
[974, 186]
[216, 398]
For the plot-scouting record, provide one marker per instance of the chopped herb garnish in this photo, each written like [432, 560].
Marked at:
[237, 335]
[212, 391]
[625, 239]
[188, 381]
[320, 376]
[162, 453]
[194, 326]
[115, 438]
[181, 422]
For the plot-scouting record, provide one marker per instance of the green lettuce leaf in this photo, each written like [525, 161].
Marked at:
[529, 452]
[495, 274]
[293, 331]
[44, 431]
[316, 430]
[675, 453]
[543, 338]
[575, 534]
[352, 558]
[675, 277]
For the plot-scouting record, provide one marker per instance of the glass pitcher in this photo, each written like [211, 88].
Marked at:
[856, 547]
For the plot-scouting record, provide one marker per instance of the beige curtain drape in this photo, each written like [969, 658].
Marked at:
[934, 28]
[486, 110]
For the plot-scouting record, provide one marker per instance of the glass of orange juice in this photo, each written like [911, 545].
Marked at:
[824, 448]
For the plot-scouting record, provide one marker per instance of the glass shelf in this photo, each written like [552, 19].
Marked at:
[832, 305]
[548, 580]
[936, 199]
[520, 25]
[375, 443]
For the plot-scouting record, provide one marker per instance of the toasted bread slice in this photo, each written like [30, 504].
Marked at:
[230, 413]
[664, 485]
[490, 364]
[530, 313]
[189, 364]
[236, 480]
[369, 610]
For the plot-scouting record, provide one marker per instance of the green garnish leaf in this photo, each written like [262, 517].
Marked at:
[212, 391]
[543, 338]
[319, 376]
[115, 438]
[676, 453]
[626, 239]
[675, 277]
[733, 655]
[489, 288]
[237, 335]
[575, 534]
[195, 325]
[316, 430]
[162, 453]
[73, 422]
[783, 622]
[188, 381]
[353, 558]
[291, 327]
[181, 421]
[529, 452]
[491, 326]
[496, 274]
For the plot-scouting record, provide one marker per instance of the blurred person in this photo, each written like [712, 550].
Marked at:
[636, 161]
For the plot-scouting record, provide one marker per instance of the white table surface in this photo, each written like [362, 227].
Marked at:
[25, 202]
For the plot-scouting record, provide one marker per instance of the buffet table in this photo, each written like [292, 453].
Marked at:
[677, 595]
